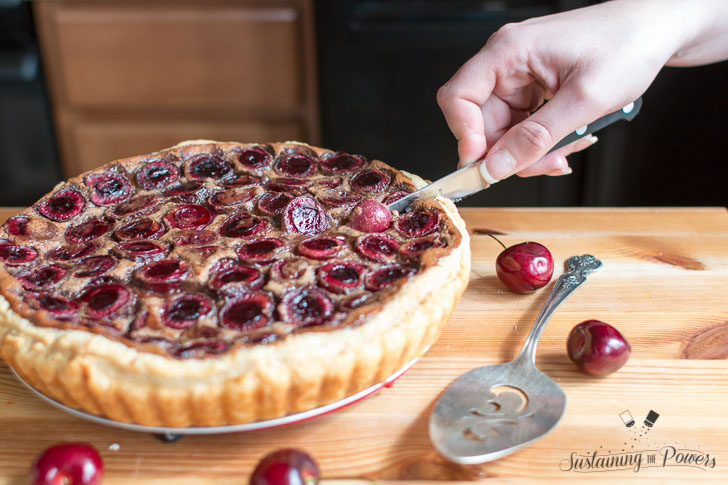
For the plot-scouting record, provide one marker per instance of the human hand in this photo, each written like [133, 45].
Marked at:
[586, 62]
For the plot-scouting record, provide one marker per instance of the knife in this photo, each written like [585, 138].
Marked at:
[474, 178]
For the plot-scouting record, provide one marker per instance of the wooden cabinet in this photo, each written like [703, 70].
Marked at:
[132, 77]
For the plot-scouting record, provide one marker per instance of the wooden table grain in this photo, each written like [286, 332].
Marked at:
[663, 285]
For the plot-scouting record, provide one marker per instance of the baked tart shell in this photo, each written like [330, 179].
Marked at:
[101, 376]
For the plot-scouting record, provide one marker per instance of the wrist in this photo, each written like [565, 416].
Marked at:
[693, 31]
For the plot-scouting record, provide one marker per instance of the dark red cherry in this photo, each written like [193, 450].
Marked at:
[273, 203]
[242, 180]
[105, 299]
[232, 197]
[198, 349]
[261, 251]
[287, 184]
[88, 230]
[185, 310]
[93, 266]
[42, 277]
[394, 196]
[108, 188]
[143, 204]
[33, 227]
[377, 247]
[157, 174]
[320, 248]
[12, 254]
[370, 216]
[341, 276]
[346, 200]
[68, 464]
[142, 249]
[188, 191]
[247, 311]
[139, 229]
[192, 237]
[357, 300]
[417, 223]
[525, 267]
[162, 275]
[286, 467]
[303, 215]
[597, 348]
[72, 251]
[255, 157]
[59, 307]
[383, 277]
[305, 305]
[341, 163]
[205, 165]
[229, 271]
[243, 226]
[295, 165]
[189, 216]
[415, 247]
[369, 181]
[17, 225]
[63, 205]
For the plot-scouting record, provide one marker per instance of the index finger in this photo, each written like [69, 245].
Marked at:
[461, 99]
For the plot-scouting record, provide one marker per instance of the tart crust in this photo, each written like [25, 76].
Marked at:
[101, 376]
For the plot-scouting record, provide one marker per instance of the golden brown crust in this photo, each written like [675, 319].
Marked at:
[303, 371]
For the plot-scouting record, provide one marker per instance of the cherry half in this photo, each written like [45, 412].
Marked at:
[68, 464]
[286, 466]
[597, 348]
[524, 267]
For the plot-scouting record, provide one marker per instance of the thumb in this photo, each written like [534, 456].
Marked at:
[528, 141]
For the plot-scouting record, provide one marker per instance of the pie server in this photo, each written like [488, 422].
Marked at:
[492, 411]
[474, 178]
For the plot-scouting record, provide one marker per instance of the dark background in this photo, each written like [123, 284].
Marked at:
[380, 64]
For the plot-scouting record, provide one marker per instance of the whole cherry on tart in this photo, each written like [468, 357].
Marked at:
[286, 466]
[597, 348]
[68, 464]
[370, 216]
[524, 267]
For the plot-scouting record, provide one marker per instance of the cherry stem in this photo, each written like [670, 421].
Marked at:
[499, 241]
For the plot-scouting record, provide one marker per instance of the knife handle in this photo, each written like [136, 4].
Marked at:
[627, 113]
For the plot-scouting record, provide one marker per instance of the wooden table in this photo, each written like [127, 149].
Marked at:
[664, 285]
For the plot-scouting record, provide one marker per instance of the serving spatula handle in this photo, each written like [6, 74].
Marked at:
[579, 267]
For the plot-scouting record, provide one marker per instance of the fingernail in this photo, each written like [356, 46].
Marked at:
[584, 143]
[500, 164]
[562, 168]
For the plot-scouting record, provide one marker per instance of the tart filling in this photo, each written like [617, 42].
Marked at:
[204, 248]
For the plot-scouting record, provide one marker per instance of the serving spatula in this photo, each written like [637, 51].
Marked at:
[492, 411]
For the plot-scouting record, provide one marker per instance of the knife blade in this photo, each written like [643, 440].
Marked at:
[474, 177]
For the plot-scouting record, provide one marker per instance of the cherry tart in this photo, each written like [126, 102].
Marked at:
[225, 283]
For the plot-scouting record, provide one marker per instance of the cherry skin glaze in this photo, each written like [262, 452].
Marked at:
[525, 267]
[286, 467]
[68, 464]
[597, 348]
